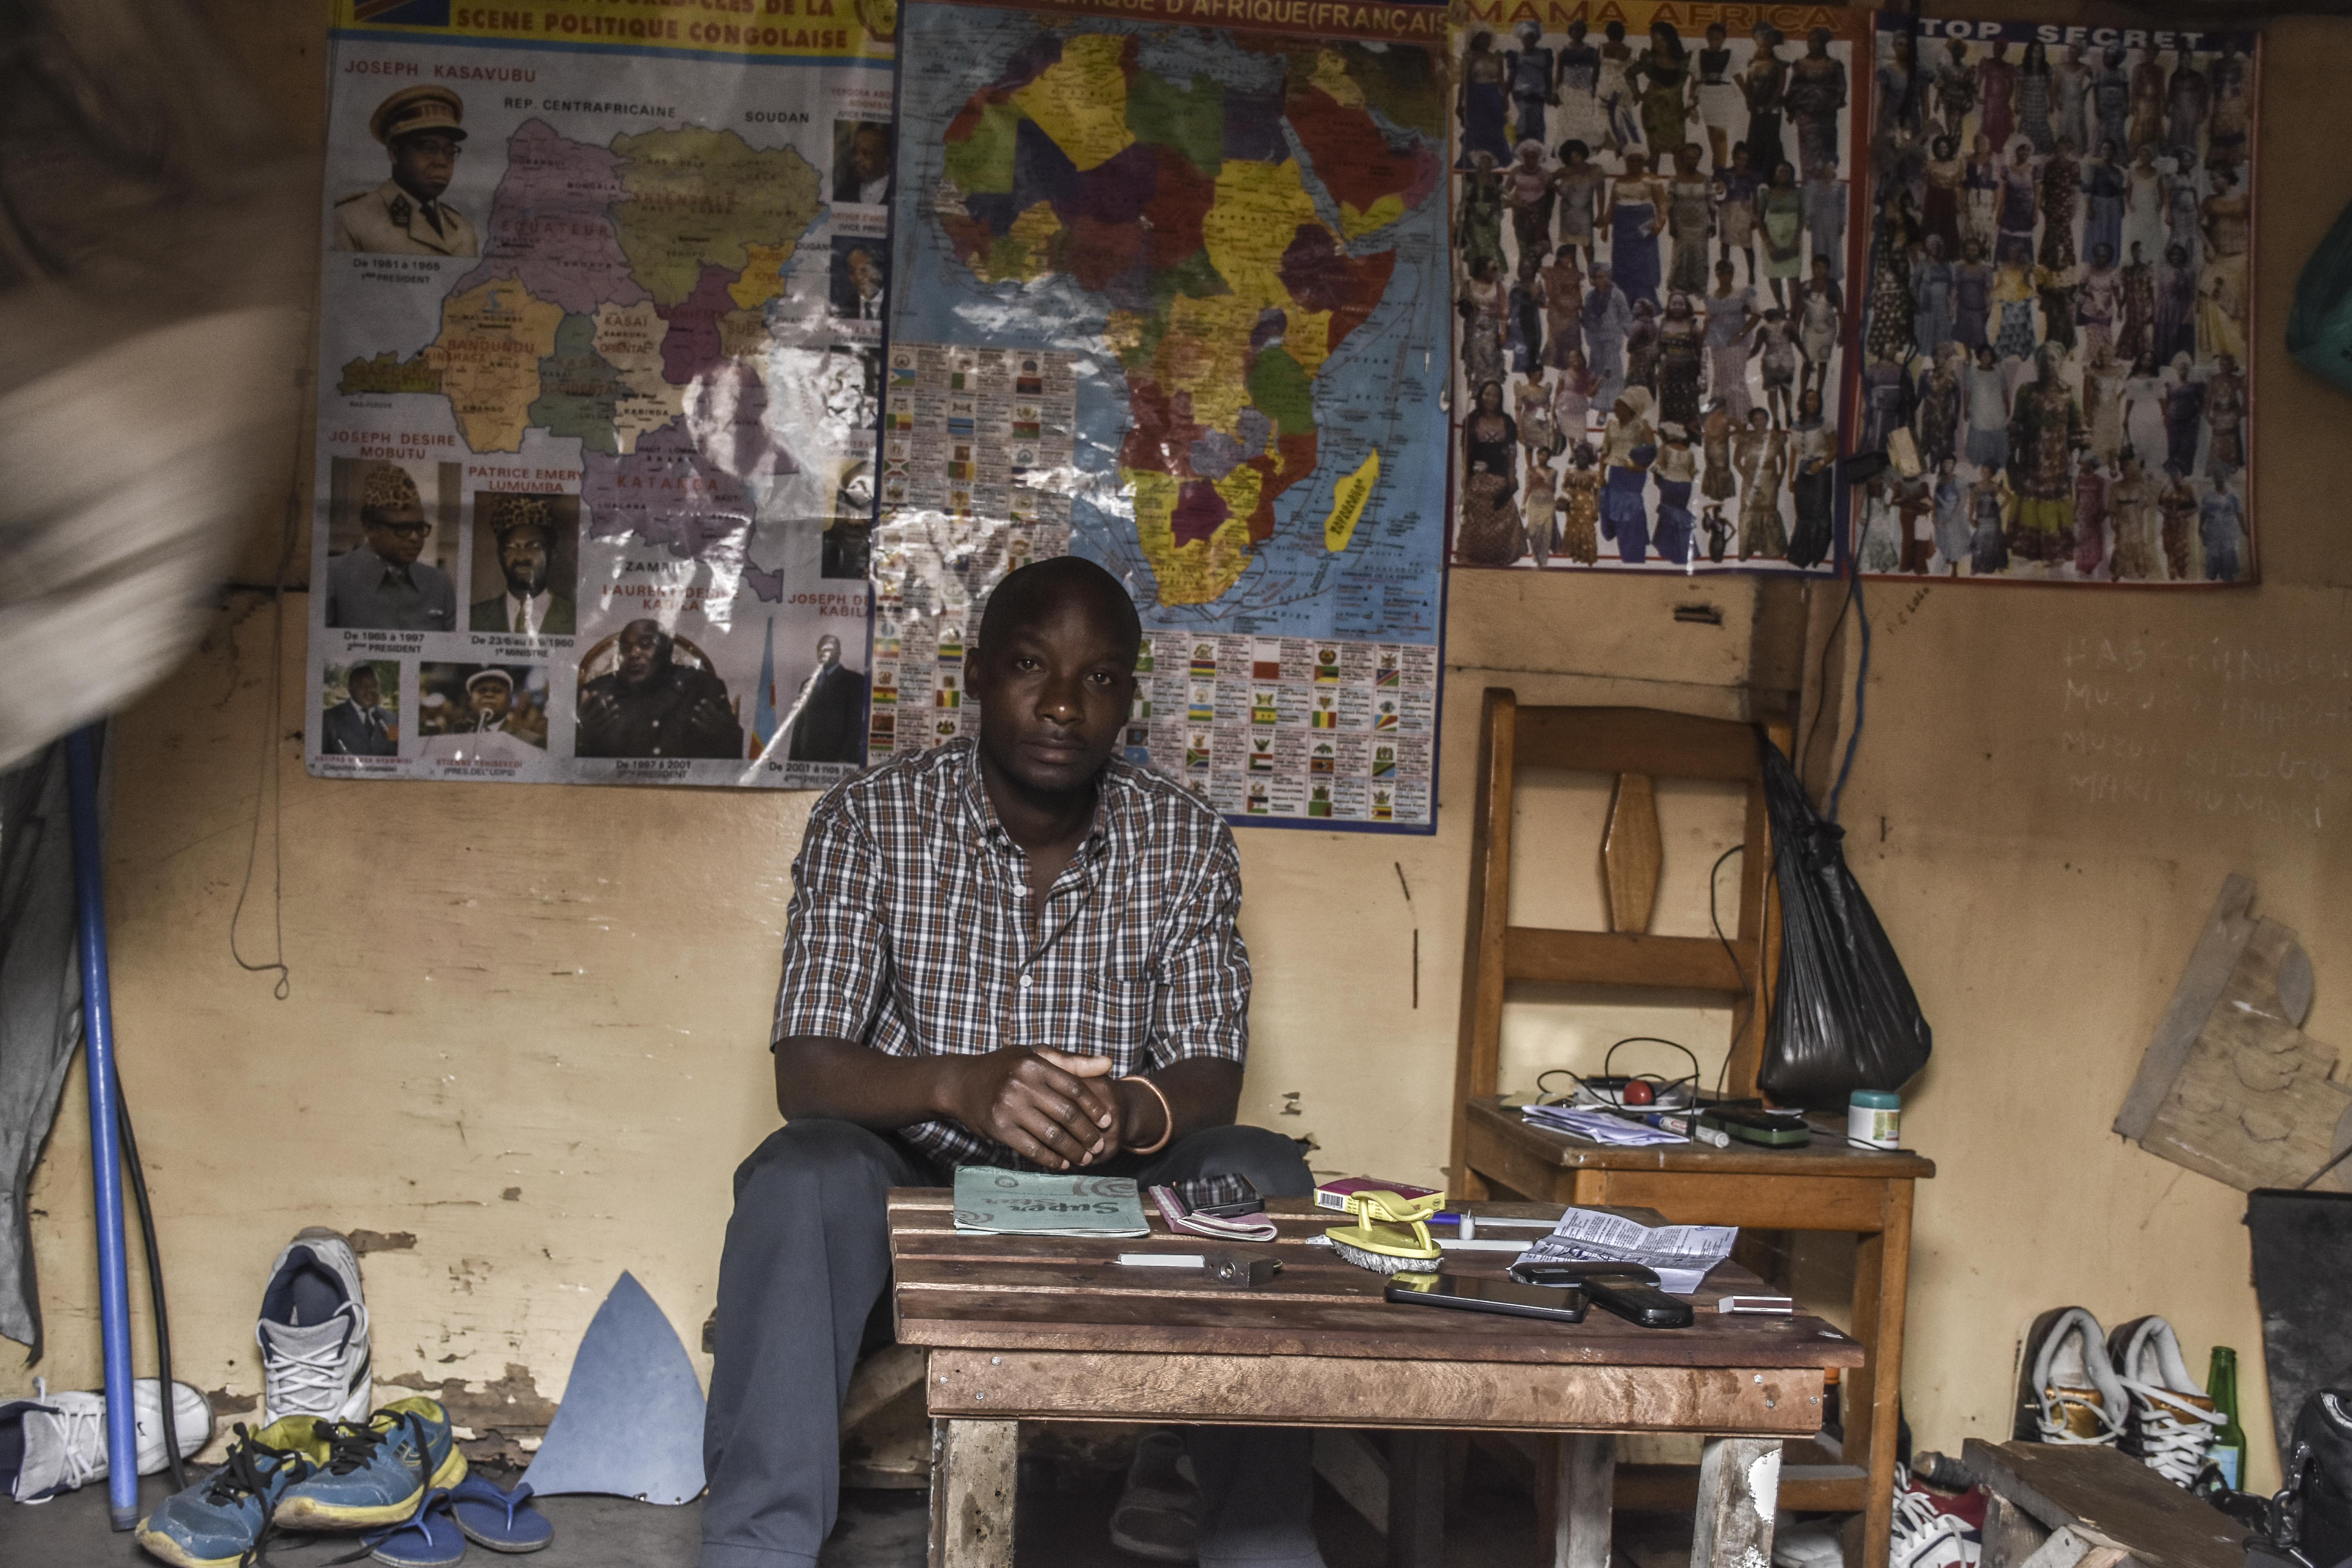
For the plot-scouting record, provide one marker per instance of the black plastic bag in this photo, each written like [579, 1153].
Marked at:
[1845, 1016]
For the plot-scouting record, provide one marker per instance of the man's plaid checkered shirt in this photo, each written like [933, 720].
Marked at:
[909, 929]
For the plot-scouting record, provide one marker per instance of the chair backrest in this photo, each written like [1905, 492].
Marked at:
[1639, 746]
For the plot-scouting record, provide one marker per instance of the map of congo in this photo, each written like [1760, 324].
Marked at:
[1229, 245]
[616, 282]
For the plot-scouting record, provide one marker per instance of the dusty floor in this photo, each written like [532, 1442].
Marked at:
[879, 1529]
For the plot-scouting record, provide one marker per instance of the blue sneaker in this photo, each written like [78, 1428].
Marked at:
[218, 1521]
[375, 1473]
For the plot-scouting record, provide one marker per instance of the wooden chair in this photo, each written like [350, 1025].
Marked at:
[1827, 1186]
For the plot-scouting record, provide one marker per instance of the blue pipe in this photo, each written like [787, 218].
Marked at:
[105, 1146]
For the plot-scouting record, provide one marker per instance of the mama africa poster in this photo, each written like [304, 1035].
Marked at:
[2059, 313]
[1655, 244]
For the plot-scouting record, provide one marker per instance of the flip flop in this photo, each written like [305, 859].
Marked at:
[501, 1521]
[429, 1538]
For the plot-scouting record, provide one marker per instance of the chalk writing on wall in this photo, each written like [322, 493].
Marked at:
[2220, 727]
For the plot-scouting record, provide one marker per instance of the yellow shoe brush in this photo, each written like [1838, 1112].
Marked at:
[1390, 1234]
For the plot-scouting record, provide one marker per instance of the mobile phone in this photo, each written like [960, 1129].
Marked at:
[1507, 1297]
[1628, 1289]
[1772, 1128]
[1226, 1198]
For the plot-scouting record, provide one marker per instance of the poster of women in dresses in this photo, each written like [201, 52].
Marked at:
[2059, 307]
[1656, 222]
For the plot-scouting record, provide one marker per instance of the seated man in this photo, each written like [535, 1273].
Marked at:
[1022, 952]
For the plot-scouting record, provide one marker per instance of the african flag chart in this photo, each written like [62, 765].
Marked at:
[1174, 298]
[598, 381]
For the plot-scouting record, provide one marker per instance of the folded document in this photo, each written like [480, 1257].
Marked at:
[1601, 1126]
[1021, 1203]
[1681, 1253]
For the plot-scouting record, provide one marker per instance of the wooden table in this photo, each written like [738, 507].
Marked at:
[1054, 1329]
[1826, 1185]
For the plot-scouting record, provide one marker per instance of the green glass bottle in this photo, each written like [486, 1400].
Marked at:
[2228, 1449]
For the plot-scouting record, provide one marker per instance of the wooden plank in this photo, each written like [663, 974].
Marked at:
[973, 1466]
[880, 1379]
[2010, 1535]
[1804, 1487]
[1479, 1042]
[2193, 1001]
[2070, 1548]
[1738, 1488]
[2113, 1497]
[1632, 854]
[1823, 1157]
[1845, 1204]
[1636, 740]
[979, 1319]
[1619, 958]
[1357, 1472]
[2255, 1102]
[1303, 1390]
[1416, 1499]
[1585, 1492]
[1870, 1397]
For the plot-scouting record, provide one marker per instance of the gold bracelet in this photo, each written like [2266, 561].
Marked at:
[1167, 1116]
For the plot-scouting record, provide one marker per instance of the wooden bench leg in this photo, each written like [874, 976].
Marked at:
[1738, 1487]
[1581, 1522]
[1416, 1499]
[973, 1464]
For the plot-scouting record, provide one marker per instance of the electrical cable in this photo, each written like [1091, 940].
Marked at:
[1860, 679]
[172, 1456]
[1747, 987]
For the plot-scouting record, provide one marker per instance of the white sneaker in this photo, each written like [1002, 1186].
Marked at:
[313, 1333]
[64, 1435]
[2172, 1421]
[1819, 1544]
[2066, 1387]
[1924, 1535]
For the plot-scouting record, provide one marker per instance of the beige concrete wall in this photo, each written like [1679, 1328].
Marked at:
[522, 1042]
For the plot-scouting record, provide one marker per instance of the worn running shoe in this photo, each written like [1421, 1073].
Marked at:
[219, 1521]
[2172, 1421]
[375, 1471]
[2066, 1390]
[313, 1332]
[61, 1438]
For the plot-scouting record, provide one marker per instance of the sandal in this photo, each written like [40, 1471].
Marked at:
[501, 1521]
[429, 1538]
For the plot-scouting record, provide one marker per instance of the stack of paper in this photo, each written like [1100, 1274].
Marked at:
[1682, 1254]
[1021, 1202]
[1601, 1126]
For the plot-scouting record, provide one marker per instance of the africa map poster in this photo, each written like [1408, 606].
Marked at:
[1170, 293]
[1656, 248]
[599, 372]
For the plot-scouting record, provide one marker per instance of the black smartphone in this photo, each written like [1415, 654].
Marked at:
[1627, 1290]
[1507, 1297]
[1227, 1197]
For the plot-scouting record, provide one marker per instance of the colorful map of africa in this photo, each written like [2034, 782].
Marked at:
[1185, 207]
[621, 289]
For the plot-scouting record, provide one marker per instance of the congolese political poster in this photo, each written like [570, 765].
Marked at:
[1169, 289]
[599, 362]
[1656, 236]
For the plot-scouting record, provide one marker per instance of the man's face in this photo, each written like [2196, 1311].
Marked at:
[523, 556]
[396, 533]
[489, 700]
[869, 153]
[641, 644]
[363, 688]
[1054, 695]
[828, 652]
[861, 273]
[425, 163]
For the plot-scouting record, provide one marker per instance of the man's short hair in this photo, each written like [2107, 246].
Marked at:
[1026, 595]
